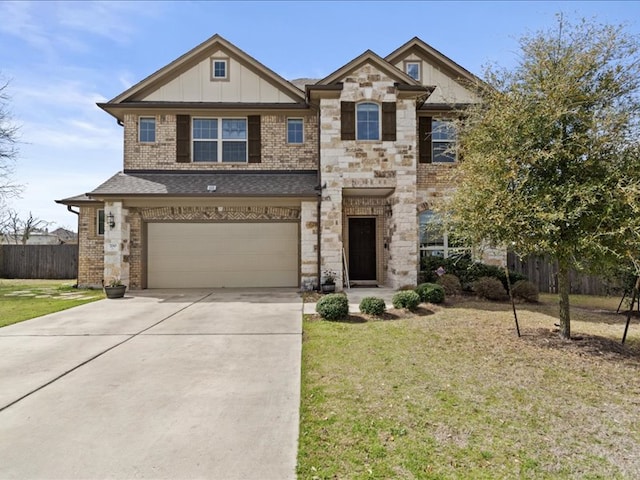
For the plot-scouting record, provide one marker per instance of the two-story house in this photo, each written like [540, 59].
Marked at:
[236, 177]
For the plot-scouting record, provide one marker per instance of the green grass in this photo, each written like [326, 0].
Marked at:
[456, 394]
[24, 299]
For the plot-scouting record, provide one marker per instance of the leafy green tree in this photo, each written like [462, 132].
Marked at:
[550, 156]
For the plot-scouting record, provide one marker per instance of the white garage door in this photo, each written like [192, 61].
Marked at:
[192, 255]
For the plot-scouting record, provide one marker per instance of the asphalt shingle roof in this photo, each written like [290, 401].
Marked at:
[195, 184]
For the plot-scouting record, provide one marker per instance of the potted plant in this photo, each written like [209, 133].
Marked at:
[329, 281]
[115, 289]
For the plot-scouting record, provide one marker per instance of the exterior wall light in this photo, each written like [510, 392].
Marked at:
[111, 221]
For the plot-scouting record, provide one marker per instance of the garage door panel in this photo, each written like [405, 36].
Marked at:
[188, 255]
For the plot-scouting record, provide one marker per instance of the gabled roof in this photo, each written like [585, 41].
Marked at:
[429, 53]
[199, 53]
[199, 184]
[375, 60]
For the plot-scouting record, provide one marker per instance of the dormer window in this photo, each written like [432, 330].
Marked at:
[367, 121]
[219, 69]
[413, 70]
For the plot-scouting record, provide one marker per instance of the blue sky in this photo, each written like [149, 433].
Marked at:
[63, 57]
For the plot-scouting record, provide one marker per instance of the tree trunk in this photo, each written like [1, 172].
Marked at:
[564, 285]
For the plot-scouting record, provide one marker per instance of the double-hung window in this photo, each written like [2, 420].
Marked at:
[147, 129]
[367, 121]
[443, 141]
[294, 130]
[220, 140]
[435, 240]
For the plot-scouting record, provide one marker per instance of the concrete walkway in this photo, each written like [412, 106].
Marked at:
[160, 384]
[356, 294]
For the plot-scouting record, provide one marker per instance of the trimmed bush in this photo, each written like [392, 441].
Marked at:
[372, 306]
[333, 306]
[406, 299]
[490, 288]
[466, 270]
[525, 290]
[451, 284]
[430, 292]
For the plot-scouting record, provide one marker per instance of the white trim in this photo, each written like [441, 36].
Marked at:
[413, 62]
[219, 140]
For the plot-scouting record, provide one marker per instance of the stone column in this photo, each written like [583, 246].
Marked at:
[116, 243]
[308, 245]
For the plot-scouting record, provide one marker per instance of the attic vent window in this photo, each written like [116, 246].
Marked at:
[413, 70]
[219, 69]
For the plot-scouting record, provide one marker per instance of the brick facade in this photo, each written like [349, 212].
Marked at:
[90, 249]
[277, 154]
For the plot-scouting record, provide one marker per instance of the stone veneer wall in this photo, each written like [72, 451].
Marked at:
[370, 164]
[116, 244]
[309, 245]
[90, 249]
[277, 154]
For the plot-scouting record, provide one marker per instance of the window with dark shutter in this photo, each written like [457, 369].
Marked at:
[348, 120]
[424, 139]
[183, 138]
[388, 121]
[255, 144]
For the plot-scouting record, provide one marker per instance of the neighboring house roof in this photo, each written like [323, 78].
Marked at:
[65, 235]
[195, 55]
[429, 53]
[227, 184]
[302, 83]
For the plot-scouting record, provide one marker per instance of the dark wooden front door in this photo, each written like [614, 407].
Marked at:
[362, 249]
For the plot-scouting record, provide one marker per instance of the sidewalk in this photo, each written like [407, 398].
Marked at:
[355, 295]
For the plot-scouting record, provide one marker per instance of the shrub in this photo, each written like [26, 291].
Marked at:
[525, 290]
[406, 299]
[466, 270]
[333, 306]
[489, 288]
[451, 284]
[372, 306]
[430, 292]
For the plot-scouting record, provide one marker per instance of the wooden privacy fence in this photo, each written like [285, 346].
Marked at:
[39, 261]
[543, 272]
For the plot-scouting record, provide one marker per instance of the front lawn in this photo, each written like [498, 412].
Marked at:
[455, 394]
[24, 299]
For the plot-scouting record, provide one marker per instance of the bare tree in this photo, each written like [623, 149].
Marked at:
[18, 231]
[8, 146]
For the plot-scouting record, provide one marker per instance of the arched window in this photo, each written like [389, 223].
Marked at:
[368, 121]
[435, 241]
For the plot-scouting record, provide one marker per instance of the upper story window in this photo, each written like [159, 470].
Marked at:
[443, 141]
[295, 130]
[147, 129]
[100, 222]
[219, 139]
[367, 121]
[413, 70]
[219, 69]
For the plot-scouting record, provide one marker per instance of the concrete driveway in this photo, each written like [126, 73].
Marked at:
[161, 384]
